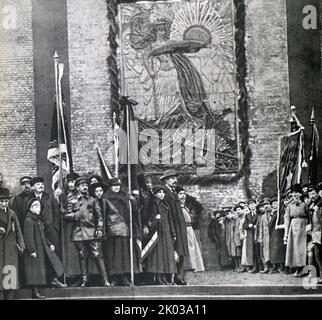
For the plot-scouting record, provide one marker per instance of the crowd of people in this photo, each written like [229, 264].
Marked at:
[48, 236]
[86, 230]
[255, 237]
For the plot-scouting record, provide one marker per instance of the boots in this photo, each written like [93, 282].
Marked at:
[36, 294]
[265, 269]
[274, 269]
[101, 268]
[83, 267]
[125, 280]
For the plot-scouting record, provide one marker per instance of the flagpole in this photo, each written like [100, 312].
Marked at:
[130, 191]
[313, 143]
[60, 181]
[116, 146]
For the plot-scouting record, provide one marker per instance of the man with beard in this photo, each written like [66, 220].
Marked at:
[18, 201]
[19, 209]
[181, 242]
[50, 215]
[316, 225]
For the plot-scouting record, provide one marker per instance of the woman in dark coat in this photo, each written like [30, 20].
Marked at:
[161, 261]
[11, 243]
[39, 251]
[117, 245]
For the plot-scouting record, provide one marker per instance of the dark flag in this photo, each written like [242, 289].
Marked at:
[130, 128]
[59, 131]
[290, 167]
[313, 159]
[105, 171]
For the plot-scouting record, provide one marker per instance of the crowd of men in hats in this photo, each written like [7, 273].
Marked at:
[88, 231]
[255, 238]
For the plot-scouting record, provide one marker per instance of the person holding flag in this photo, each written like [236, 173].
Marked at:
[118, 251]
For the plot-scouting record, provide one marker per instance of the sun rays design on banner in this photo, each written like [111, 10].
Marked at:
[201, 18]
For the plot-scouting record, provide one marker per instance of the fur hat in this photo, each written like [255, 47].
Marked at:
[36, 179]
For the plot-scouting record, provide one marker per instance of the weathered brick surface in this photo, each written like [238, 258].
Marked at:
[267, 83]
[17, 133]
[89, 82]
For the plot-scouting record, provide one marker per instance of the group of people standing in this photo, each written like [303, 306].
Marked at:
[90, 222]
[257, 238]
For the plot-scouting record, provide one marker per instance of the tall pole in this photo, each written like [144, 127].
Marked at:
[59, 138]
[116, 145]
[130, 191]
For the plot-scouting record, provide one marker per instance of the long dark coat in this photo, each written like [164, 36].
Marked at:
[117, 246]
[217, 235]
[36, 241]
[18, 206]
[50, 215]
[248, 255]
[161, 258]
[181, 243]
[276, 244]
[8, 243]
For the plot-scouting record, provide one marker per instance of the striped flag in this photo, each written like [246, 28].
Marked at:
[59, 154]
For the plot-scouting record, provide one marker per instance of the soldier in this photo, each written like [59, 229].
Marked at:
[181, 243]
[87, 230]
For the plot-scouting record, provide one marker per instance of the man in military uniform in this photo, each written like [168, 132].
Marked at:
[87, 230]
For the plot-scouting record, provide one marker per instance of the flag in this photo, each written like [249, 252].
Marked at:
[314, 149]
[290, 167]
[59, 144]
[105, 171]
[130, 128]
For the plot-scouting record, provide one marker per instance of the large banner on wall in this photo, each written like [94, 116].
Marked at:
[177, 61]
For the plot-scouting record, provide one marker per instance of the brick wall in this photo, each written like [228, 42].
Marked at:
[89, 84]
[17, 132]
[268, 96]
[267, 82]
